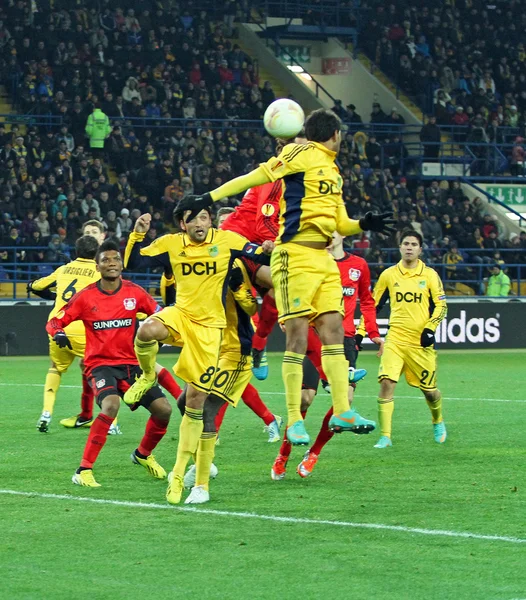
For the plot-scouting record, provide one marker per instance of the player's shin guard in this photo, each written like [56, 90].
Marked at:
[153, 434]
[253, 400]
[204, 458]
[86, 400]
[189, 433]
[98, 435]
[146, 353]
[336, 368]
[267, 319]
[292, 372]
[324, 435]
[167, 381]
[436, 410]
[385, 415]
[50, 389]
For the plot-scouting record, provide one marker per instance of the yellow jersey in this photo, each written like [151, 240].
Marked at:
[68, 280]
[311, 206]
[417, 300]
[201, 271]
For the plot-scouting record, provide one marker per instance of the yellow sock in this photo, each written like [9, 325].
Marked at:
[146, 353]
[336, 368]
[50, 389]
[385, 415]
[205, 456]
[436, 410]
[190, 431]
[292, 372]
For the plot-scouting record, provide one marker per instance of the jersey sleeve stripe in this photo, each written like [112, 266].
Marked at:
[292, 155]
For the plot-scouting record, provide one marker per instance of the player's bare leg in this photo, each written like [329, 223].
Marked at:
[205, 451]
[296, 331]
[96, 440]
[385, 412]
[156, 426]
[190, 432]
[150, 333]
[434, 401]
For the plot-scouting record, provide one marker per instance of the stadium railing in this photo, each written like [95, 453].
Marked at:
[16, 272]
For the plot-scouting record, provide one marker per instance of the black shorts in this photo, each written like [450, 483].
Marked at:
[351, 354]
[311, 377]
[115, 380]
[252, 270]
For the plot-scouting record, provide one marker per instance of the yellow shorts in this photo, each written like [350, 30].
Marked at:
[63, 357]
[232, 376]
[200, 347]
[419, 365]
[306, 281]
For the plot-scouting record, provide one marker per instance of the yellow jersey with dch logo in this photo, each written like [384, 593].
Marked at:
[201, 270]
[311, 207]
[417, 300]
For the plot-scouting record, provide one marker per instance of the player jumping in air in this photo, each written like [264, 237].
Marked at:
[418, 305]
[305, 278]
[200, 258]
[108, 310]
[356, 285]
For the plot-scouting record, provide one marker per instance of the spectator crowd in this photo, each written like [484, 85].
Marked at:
[72, 62]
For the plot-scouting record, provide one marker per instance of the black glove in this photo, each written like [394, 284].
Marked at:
[381, 223]
[236, 279]
[427, 338]
[195, 204]
[61, 339]
[358, 338]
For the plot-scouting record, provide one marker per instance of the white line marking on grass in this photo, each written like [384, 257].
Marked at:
[78, 387]
[275, 518]
[421, 398]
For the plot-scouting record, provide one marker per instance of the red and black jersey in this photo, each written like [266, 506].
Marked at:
[356, 284]
[257, 217]
[109, 319]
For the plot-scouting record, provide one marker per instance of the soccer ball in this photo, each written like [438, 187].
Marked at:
[284, 118]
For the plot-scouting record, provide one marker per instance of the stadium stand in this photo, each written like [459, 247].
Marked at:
[185, 105]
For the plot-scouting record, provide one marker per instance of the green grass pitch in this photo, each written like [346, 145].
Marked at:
[59, 548]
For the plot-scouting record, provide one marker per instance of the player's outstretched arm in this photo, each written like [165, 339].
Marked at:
[231, 188]
[140, 255]
[42, 287]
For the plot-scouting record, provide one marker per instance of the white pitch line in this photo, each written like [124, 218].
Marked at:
[421, 397]
[275, 518]
[78, 387]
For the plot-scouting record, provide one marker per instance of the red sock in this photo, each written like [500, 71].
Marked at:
[86, 400]
[286, 446]
[153, 434]
[267, 319]
[220, 416]
[167, 381]
[253, 400]
[314, 351]
[98, 434]
[325, 434]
